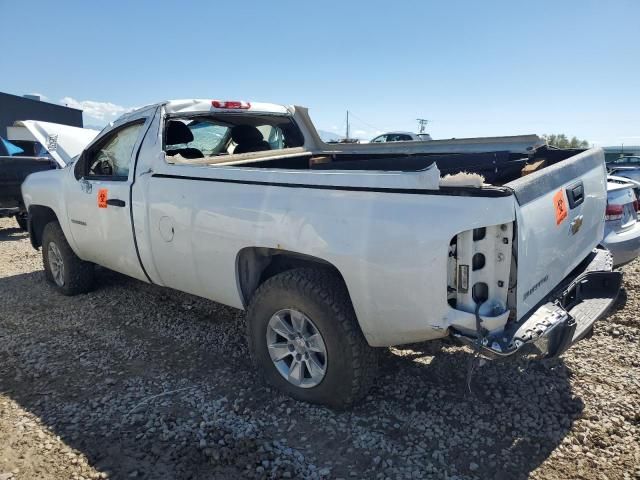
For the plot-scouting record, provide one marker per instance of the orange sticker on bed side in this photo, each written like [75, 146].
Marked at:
[103, 194]
[560, 204]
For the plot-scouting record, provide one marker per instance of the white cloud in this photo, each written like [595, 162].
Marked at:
[101, 111]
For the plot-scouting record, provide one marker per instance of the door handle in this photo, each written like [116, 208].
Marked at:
[115, 202]
[575, 194]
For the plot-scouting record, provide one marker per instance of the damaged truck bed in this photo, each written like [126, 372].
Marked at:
[336, 249]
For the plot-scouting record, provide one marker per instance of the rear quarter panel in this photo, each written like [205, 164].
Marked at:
[391, 248]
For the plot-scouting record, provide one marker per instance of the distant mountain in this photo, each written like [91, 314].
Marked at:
[329, 136]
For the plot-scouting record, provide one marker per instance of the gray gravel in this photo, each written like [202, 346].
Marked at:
[137, 381]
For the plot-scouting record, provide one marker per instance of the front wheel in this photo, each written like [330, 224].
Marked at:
[62, 267]
[305, 340]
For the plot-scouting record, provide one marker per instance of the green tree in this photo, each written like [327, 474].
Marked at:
[560, 140]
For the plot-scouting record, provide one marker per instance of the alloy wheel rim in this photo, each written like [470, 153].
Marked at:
[297, 348]
[56, 264]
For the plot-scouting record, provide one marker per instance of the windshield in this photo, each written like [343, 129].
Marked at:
[208, 137]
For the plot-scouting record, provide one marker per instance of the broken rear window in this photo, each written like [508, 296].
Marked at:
[202, 136]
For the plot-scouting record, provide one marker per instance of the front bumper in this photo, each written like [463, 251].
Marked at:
[565, 316]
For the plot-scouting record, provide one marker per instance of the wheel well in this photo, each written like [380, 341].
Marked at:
[39, 216]
[254, 265]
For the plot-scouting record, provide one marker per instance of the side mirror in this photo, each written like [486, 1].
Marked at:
[79, 168]
[85, 185]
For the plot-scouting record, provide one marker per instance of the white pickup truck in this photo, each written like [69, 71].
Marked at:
[334, 250]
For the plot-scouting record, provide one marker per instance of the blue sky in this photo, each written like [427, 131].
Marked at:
[473, 68]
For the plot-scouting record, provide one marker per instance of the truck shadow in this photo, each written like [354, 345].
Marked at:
[143, 379]
[621, 301]
[12, 234]
[498, 419]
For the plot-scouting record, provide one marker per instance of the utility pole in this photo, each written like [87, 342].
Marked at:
[423, 123]
[347, 136]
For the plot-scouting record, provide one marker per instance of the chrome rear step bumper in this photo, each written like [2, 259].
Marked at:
[566, 316]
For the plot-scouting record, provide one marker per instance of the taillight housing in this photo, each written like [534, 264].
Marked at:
[479, 264]
[230, 104]
[614, 212]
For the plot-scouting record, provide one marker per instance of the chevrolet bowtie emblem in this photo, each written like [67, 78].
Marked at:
[576, 224]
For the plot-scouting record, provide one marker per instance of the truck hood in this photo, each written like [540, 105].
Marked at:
[63, 142]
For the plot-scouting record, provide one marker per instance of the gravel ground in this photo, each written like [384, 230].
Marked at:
[137, 381]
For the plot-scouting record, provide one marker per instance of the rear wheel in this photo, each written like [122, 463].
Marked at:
[63, 269]
[305, 340]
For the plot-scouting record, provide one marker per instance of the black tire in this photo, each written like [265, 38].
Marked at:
[22, 221]
[77, 274]
[320, 294]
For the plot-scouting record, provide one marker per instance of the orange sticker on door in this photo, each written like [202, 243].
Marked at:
[103, 195]
[560, 204]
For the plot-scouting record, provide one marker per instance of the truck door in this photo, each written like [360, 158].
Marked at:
[98, 199]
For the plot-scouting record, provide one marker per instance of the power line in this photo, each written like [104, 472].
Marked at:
[361, 120]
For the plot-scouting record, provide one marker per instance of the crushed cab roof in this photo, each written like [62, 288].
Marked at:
[201, 105]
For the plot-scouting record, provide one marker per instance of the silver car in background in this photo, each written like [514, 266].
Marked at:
[622, 229]
[628, 166]
[401, 137]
